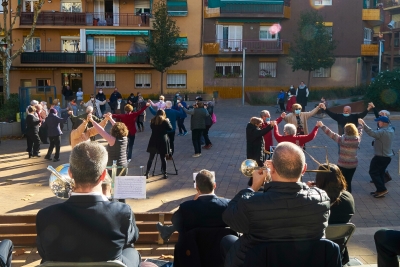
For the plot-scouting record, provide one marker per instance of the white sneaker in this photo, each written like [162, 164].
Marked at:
[129, 160]
[196, 155]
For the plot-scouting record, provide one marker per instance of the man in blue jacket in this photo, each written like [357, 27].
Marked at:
[181, 119]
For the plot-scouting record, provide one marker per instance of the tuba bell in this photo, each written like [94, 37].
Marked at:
[59, 182]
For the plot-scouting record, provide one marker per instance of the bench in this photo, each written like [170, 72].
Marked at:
[21, 229]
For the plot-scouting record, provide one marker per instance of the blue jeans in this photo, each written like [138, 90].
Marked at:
[6, 248]
[377, 169]
[129, 148]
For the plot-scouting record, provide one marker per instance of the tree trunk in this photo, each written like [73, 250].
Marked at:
[309, 76]
[6, 76]
[162, 83]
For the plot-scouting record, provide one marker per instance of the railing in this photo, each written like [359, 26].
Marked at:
[251, 8]
[86, 19]
[83, 58]
[252, 46]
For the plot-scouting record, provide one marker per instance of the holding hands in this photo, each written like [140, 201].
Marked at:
[272, 123]
[370, 105]
[89, 117]
[319, 124]
[361, 122]
[148, 104]
[322, 105]
[283, 115]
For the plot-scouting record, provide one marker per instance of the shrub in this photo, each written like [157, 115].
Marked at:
[384, 91]
[10, 108]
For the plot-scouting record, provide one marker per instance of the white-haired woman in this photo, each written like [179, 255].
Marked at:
[160, 104]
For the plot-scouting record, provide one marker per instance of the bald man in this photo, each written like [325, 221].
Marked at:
[347, 116]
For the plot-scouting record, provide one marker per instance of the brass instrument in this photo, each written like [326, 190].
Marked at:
[60, 182]
[249, 166]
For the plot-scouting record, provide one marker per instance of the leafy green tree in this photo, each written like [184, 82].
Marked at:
[162, 48]
[313, 45]
[6, 27]
[384, 91]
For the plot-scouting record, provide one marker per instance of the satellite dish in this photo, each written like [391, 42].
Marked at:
[391, 25]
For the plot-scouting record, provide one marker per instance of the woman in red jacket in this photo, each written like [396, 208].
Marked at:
[129, 119]
[289, 132]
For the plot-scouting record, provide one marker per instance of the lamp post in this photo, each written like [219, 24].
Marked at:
[243, 73]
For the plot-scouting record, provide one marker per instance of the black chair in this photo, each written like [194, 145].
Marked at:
[310, 253]
[200, 247]
[6, 248]
[341, 234]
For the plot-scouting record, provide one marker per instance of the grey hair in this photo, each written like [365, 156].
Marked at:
[87, 162]
[89, 109]
[288, 160]
[385, 112]
[264, 113]
[290, 129]
[168, 104]
[205, 181]
[34, 102]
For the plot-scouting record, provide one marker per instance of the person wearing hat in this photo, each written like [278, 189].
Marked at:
[52, 123]
[383, 152]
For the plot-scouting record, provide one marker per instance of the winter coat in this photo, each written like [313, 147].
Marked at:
[159, 142]
[255, 142]
[198, 120]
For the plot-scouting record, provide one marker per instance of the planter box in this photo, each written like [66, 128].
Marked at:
[10, 129]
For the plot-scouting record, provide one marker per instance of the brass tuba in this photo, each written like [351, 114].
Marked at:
[60, 182]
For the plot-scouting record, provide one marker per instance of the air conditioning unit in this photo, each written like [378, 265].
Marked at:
[391, 25]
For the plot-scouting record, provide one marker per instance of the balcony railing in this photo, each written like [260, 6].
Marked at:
[83, 58]
[369, 50]
[375, 14]
[236, 46]
[252, 8]
[86, 19]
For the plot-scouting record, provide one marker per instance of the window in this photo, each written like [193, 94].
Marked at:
[142, 80]
[266, 35]
[267, 70]
[33, 45]
[105, 80]
[29, 5]
[367, 36]
[104, 45]
[43, 82]
[229, 36]
[322, 73]
[70, 43]
[71, 6]
[228, 69]
[176, 80]
[323, 2]
[329, 30]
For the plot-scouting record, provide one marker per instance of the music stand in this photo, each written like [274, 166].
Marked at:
[172, 158]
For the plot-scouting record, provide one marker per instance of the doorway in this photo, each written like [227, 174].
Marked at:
[109, 10]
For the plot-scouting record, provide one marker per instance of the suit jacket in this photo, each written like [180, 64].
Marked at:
[85, 228]
[206, 211]
[52, 123]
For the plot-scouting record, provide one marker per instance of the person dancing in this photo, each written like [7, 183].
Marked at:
[159, 142]
[348, 146]
[255, 140]
[32, 132]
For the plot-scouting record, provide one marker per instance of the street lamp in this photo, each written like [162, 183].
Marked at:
[380, 53]
[243, 72]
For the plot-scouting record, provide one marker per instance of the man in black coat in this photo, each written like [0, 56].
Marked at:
[87, 227]
[255, 144]
[302, 95]
[347, 116]
[205, 210]
[67, 93]
[287, 209]
[113, 98]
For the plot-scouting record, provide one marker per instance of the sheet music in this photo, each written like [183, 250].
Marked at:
[130, 187]
[194, 177]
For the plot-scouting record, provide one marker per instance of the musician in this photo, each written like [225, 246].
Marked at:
[87, 227]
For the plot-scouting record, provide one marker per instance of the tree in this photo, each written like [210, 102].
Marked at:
[162, 48]
[6, 55]
[384, 91]
[313, 45]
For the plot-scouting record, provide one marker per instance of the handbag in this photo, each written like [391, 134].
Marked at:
[213, 118]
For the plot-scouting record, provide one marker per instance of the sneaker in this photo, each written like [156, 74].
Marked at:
[129, 160]
[55, 160]
[185, 133]
[207, 146]
[381, 194]
[196, 155]
[179, 134]
[48, 158]
[372, 193]
[165, 231]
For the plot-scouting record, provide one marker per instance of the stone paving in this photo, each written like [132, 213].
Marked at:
[24, 182]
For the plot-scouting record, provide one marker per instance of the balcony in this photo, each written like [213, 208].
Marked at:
[83, 58]
[369, 49]
[243, 8]
[230, 46]
[85, 19]
[373, 16]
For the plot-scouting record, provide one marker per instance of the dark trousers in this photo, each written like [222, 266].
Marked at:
[388, 247]
[162, 159]
[181, 126]
[196, 139]
[171, 136]
[55, 141]
[129, 148]
[205, 135]
[33, 142]
[131, 257]
[103, 109]
[377, 169]
[6, 248]
[348, 176]
[139, 124]
[43, 134]
[282, 106]
[226, 244]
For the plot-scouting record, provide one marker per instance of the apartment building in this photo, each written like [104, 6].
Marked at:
[391, 33]
[232, 25]
[93, 44]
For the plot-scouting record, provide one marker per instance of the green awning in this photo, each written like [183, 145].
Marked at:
[233, 20]
[177, 7]
[117, 32]
[183, 41]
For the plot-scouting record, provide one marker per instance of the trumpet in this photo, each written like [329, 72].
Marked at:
[249, 166]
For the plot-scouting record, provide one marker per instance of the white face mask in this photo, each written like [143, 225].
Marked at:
[100, 92]
[92, 99]
[59, 103]
[119, 101]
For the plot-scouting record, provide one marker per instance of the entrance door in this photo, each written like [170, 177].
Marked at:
[99, 10]
[109, 10]
[75, 84]
[116, 12]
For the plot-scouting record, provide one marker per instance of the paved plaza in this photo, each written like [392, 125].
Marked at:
[24, 182]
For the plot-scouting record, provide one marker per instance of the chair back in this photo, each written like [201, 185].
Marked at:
[321, 252]
[115, 263]
[340, 231]
[200, 247]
